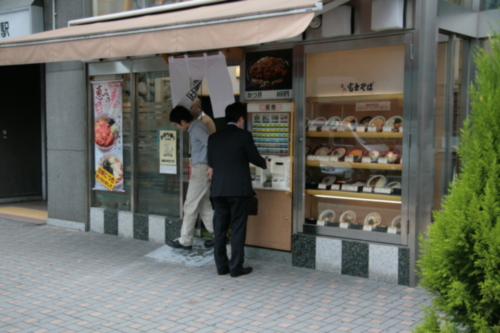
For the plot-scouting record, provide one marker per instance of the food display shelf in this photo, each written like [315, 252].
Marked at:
[373, 166]
[383, 135]
[356, 195]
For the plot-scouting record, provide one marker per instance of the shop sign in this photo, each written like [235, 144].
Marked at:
[373, 106]
[168, 152]
[268, 75]
[356, 87]
[108, 137]
[186, 77]
[14, 24]
[105, 178]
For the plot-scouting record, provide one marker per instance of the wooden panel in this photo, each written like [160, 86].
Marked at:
[272, 228]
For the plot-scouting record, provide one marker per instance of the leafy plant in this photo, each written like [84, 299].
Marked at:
[460, 262]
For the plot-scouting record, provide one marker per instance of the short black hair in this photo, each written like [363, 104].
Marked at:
[235, 111]
[180, 113]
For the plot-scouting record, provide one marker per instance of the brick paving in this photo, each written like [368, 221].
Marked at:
[59, 280]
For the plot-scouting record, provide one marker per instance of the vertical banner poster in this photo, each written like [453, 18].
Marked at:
[168, 152]
[108, 143]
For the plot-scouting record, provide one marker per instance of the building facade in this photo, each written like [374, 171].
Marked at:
[361, 121]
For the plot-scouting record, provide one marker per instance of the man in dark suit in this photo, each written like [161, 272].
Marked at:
[229, 153]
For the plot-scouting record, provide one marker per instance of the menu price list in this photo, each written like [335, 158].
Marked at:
[271, 132]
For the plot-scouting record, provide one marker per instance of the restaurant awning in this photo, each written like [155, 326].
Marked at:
[223, 25]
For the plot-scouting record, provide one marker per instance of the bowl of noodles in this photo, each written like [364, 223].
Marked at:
[113, 164]
[106, 132]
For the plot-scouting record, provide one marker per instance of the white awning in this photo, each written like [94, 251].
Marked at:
[228, 24]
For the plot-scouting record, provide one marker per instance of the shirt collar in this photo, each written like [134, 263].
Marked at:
[191, 125]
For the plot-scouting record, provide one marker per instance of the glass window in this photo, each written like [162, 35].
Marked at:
[464, 3]
[354, 115]
[448, 116]
[158, 193]
[103, 7]
[491, 4]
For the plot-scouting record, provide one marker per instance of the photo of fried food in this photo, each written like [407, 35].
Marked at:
[268, 72]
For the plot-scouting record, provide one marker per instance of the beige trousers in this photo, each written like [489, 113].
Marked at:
[197, 202]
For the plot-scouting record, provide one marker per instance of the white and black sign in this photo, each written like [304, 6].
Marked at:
[25, 21]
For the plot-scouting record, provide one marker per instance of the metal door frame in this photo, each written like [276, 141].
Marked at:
[407, 196]
[132, 67]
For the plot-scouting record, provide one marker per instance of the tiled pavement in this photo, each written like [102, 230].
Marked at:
[58, 280]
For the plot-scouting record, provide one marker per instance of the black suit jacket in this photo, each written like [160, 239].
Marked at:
[229, 153]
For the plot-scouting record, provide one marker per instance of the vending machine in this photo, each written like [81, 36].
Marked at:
[271, 125]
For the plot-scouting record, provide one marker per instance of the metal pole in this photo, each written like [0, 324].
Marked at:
[54, 14]
[133, 148]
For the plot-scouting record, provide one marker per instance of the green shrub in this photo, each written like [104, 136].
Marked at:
[460, 262]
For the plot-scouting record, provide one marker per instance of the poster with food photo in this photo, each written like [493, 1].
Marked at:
[108, 137]
[268, 75]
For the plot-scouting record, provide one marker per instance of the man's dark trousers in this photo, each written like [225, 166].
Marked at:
[235, 209]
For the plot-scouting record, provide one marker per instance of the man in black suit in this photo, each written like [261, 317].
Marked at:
[229, 153]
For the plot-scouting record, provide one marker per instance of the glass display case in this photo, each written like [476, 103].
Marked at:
[354, 150]
[354, 163]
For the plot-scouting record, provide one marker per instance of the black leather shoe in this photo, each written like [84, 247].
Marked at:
[209, 243]
[223, 272]
[243, 271]
[176, 245]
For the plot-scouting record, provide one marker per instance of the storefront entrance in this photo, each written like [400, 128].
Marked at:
[145, 112]
[22, 134]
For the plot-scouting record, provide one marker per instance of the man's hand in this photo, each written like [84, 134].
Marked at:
[209, 173]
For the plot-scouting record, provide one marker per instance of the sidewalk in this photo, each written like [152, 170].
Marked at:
[59, 280]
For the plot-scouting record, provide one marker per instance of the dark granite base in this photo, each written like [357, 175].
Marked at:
[404, 266]
[304, 251]
[111, 222]
[141, 227]
[172, 228]
[355, 259]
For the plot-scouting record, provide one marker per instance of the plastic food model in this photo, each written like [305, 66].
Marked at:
[374, 155]
[392, 156]
[396, 222]
[321, 150]
[356, 153]
[350, 123]
[365, 121]
[378, 123]
[348, 216]
[329, 180]
[377, 180]
[373, 219]
[394, 185]
[327, 216]
[333, 121]
[395, 122]
[338, 152]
